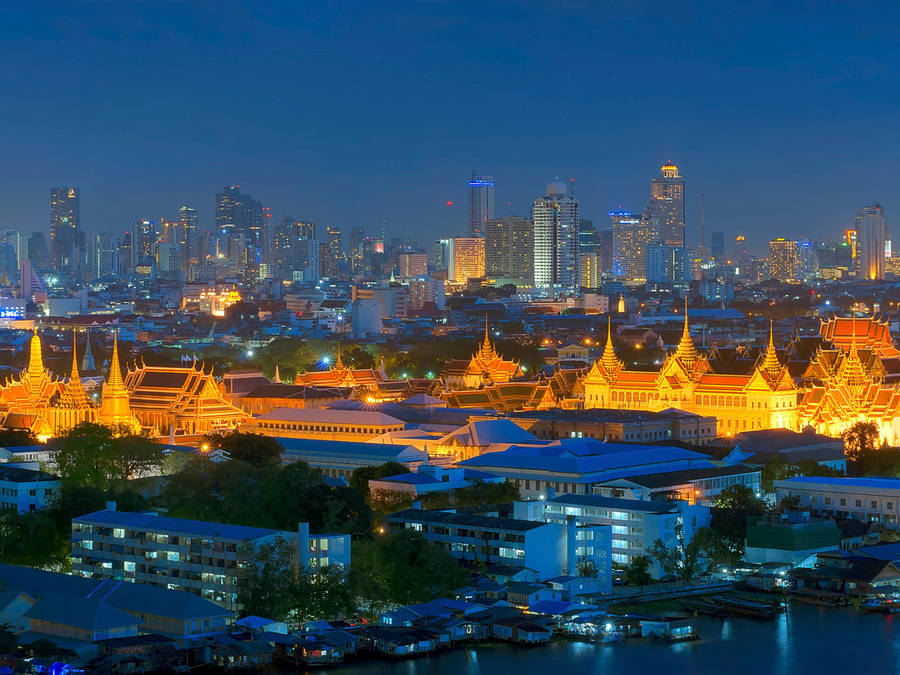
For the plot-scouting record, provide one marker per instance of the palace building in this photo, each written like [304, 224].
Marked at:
[486, 367]
[852, 376]
[171, 401]
[341, 376]
[764, 398]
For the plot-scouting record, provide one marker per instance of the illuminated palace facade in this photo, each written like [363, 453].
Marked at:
[764, 398]
[485, 367]
[853, 375]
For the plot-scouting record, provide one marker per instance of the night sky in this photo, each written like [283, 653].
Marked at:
[348, 113]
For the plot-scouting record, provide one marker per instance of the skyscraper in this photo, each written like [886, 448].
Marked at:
[555, 218]
[631, 237]
[467, 260]
[667, 205]
[38, 253]
[784, 260]
[871, 231]
[188, 240]
[509, 249]
[65, 227]
[481, 203]
[717, 246]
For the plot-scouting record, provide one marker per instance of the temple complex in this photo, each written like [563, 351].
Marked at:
[485, 367]
[764, 398]
[173, 401]
[340, 376]
[852, 376]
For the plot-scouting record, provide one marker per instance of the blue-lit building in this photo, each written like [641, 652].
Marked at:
[192, 555]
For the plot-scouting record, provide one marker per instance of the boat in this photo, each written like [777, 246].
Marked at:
[705, 608]
[751, 608]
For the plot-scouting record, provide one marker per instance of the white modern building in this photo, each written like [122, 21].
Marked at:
[192, 555]
[555, 218]
[431, 478]
[550, 549]
[634, 524]
[26, 489]
[871, 500]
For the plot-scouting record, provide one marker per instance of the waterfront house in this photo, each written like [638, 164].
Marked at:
[524, 595]
[791, 537]
[850, 574]
[521, 630]
[871, 500]
[670, 629]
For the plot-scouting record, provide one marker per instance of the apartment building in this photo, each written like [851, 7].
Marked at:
[26, 489]
[549, 548]
[193, 555]
[634, 524]
[871, 500]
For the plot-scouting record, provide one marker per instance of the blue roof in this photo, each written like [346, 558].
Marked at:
[199, 528]
[381, 452]
[582, 456]
[614, 503]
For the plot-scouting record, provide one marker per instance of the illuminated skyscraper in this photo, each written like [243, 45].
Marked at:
[631, 237]
[784, 260]
[65, 227]
[667, 205]
[509, 249]
[717, 247]
[555, 218]
[871, 231]
[481, 203]
[467, 259]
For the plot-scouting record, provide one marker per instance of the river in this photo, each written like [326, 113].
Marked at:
[806, 639]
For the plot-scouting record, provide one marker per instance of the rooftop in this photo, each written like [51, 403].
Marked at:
[843, 482]
[614, 503]
[331, 416]
[197, 528]
[450, 518]
[16, 474]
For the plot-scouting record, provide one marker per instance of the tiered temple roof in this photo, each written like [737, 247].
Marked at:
[340, 376]
[486, 366]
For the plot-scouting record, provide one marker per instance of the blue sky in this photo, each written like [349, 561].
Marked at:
[785, 117]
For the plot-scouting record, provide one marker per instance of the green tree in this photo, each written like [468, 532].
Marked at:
[265, 584]
[684, 559]
[859, 440]
[134, 456]
[11, 438]
[9, 641]
[254, 449]
[83, 455]
[728, 529]
[638, 573]
[479, 494]
[359, 479]
[402, 568]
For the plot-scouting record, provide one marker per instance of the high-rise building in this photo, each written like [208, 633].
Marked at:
[741, 255]
[871, 231]
[65, 227]
[717, 247]
[784, 260]
[631, 237]
[589, 264]
[669, 264]
[509, 249]
[104, 255]
[481, 203]
[39, 253]
[466, 259]
[667, 205]
[605, 248]
[555, 218]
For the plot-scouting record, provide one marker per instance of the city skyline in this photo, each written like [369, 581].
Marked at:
[748, 128]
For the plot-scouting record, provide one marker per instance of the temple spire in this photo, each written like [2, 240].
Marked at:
[609, 360]
[686, 351]
[277, 378]
[486, 351]
[74, 375]
[114, 381]
[73, 396]
[87, 360]
[35, 360]
[338, 363]
[771, 364]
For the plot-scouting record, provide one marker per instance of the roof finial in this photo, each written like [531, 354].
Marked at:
[277, 378]
[114, 382]
[338, 363]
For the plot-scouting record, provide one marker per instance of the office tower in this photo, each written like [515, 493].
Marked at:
[104, 255]
[741, 255]
[355, 262]
[605, 249]
[808, 260]
[784, 260]
[589, 264]
[240, 220]
[10, 254]
[65, 227]
[441, 253]
[871, 231]
[555, 218]
[466, 259]
[717, 247]
[187, 239]
[145, 237]
[669, 264]
[306, 266]
[38, 253]
[125, 255]
[509, 249]
[667, 205]
[631, 237]
[412, 264]
[481, 203]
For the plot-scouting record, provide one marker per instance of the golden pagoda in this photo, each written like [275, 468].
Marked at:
[484, 368]
[853, 376]
[115, 404]
[73, 405]
[763, 399]
[340, 376]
